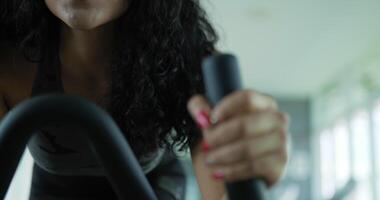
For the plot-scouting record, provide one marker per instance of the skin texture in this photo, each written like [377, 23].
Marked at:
[87, 14]
[86, 41]
[248, 140]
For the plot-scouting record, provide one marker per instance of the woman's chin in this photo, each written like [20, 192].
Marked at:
[81, 26]
[85, 15]
[81, 21]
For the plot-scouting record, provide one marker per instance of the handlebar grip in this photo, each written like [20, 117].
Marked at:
[221, 77]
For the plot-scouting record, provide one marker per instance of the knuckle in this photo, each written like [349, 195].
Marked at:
[240, 127]
[247, 96]
[268, 119]
[282, 137]
[259, 100]
[270, 115]
[252, 117]
[281, 115]
[270, 100]
[274, 104]
[283, 118]
[195, 100]
[283, 155]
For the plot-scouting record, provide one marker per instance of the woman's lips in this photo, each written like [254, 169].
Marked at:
[83, 4]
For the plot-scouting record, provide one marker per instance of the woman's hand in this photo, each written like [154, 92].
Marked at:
[245, 137]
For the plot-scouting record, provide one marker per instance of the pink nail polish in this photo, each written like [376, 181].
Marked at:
[218, 175]
[205, 146]
[203, 119]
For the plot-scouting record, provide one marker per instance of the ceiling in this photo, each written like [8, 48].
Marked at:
[290, 48]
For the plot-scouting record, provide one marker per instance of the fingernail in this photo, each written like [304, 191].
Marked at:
[218, 175]
[205, 146]
[203, 119]
[214, 119]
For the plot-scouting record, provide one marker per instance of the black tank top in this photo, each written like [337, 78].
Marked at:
[58, 149]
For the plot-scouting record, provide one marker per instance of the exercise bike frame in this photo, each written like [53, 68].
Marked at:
[106, 141]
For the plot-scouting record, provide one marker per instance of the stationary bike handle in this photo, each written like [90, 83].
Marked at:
[101, 132]
[221, 77]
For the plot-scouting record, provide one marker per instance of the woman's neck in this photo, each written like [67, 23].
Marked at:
[86, 51]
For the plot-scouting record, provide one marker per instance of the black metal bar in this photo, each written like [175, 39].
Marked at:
[222, 77]
[105, 139]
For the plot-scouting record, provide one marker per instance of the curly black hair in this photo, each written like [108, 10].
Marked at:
[155, 70]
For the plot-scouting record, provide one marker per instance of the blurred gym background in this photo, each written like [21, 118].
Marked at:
[321, 61]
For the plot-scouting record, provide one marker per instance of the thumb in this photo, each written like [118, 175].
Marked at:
[200, 109]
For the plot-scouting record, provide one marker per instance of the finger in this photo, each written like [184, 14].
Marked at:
[199, 109]
[269, 169]
[247, 126]
[242, 101]
[229, 154]
[247, 149]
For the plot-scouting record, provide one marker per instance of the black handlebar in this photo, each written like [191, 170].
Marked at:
[105, 139]
[222, 76]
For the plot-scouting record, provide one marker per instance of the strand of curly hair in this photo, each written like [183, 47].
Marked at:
[155, 69]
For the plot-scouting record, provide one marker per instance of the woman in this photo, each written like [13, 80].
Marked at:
[140, 61]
